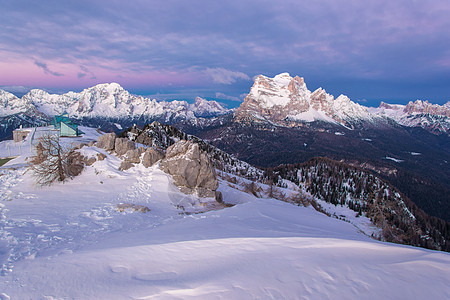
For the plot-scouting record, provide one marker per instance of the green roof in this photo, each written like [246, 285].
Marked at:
[70, 128]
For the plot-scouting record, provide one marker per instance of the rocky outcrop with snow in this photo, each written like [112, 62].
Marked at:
[190, 168]
[122, 145]
[285, 100]
[151, 156]
[107, 141]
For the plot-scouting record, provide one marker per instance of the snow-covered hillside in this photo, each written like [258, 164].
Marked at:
[83, 240]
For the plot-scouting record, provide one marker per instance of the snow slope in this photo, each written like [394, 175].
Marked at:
[69, 241]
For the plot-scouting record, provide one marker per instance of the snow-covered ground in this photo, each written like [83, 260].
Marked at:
[70, 241]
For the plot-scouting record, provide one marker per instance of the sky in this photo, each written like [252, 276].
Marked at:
[372, 51]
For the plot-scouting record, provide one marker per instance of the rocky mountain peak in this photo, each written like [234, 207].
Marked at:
[205, 108]
[384, 105]
[286, 100]
[431, 117]
[425, 107]
[10, 104]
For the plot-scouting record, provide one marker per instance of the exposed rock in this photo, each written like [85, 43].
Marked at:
[91, 143]
[101, 156]
[424, 107]
[107, 141]
[133, 156]
[141, 150]
[122, 145]
[125, 165]
[181, 148]
[190, 168]
[75, 163]
[151, 156]
[135, 207]
[89, 161]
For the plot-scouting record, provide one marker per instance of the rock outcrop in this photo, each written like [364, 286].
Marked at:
[122, 145]
[191, 169]
[151, 156]
[134, 156]
[125, 165]
[107, 141]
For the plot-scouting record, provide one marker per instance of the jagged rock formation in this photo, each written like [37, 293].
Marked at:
[286, 101]
[160, 136]
[191, 169]
[431, 117]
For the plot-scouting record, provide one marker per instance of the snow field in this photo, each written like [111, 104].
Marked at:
[70, 241]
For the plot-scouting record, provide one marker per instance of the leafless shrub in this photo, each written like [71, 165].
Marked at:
[53, 162]
[253, 188]
[300, 199]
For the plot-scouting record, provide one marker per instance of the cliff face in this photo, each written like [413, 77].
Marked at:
[285, 100]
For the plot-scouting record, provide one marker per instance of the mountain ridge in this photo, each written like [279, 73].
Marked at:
[282, 100]
[286, 101]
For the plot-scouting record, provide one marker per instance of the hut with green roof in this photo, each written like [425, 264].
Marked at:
[66, 126]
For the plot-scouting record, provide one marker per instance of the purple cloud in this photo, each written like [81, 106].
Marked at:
[46, 70]
[223, 96]
[224, 76]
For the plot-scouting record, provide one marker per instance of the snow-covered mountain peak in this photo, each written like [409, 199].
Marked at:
[384, 105]
[425, 107]
[348, 109]
[278, 91]
[114, 89]
[431, 117]
[283, 78]
[7, 98]
[204, 108]
[284, 99]
[10, 104]
[108, 101]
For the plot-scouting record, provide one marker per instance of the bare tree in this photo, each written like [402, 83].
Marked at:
[53, 162]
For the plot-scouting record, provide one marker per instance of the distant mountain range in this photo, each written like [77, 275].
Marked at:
[282, 101]
[279, 122]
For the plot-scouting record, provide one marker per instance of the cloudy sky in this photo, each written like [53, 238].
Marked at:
[372, 50]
